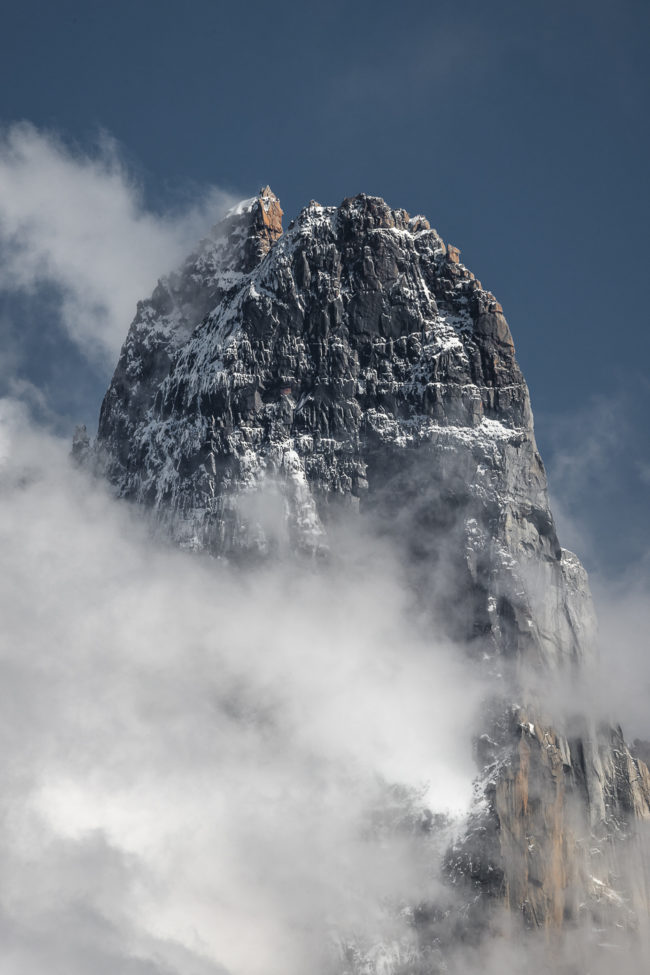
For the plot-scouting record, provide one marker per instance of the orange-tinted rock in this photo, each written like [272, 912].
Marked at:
[268, 218]
[566, 815]
[536, 837]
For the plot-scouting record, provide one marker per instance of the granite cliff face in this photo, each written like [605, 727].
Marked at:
[352, 368]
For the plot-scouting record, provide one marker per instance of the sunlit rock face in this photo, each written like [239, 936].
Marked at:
[351, 364]
[351, 368]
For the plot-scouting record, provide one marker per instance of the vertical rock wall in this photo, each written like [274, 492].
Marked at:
[353, 367]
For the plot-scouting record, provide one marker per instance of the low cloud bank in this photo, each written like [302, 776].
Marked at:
[199, 762]
[207, 771]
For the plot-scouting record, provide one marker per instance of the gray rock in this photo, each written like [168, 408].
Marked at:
[353, 367]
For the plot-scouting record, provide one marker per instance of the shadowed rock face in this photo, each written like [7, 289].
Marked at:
[353, 367]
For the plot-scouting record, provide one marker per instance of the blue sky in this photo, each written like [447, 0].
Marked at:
[519, 129]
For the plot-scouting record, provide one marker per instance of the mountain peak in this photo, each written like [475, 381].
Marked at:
[280, 387]
[267, 220]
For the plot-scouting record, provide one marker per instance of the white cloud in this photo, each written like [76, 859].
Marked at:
[192, 756]
[77, 222]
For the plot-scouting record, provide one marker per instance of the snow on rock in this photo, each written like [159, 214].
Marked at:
[352, 367]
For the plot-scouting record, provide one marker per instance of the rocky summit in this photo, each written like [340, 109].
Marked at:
[351, 367]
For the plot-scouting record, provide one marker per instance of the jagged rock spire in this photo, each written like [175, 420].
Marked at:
[354, 364]
[266, 224]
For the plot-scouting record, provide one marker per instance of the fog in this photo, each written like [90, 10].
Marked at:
[206, 769]
[597, 483]
[196, 756]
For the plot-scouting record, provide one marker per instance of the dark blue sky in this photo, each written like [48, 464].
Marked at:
[519, 128]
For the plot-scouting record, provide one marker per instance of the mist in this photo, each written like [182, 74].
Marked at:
[598, 493]
[197, 755]
[215, 770]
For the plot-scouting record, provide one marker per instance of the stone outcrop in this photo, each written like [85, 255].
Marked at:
[564, 817]
[352, 367]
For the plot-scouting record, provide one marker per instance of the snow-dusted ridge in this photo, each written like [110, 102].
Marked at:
[352, 371]
[351, 338]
